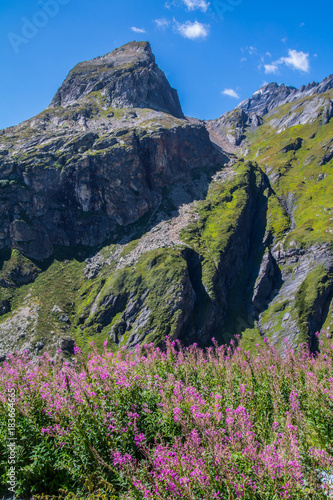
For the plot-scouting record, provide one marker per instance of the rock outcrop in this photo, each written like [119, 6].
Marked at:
[127, 77]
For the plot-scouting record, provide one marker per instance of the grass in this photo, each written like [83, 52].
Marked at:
[296, 172]
[158, 275]
[315, 285]
[219, 218]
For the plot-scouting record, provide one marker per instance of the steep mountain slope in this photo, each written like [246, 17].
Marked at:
[79, 176]
[293, 147]
[234, 125]
[291, 144]
[123, 219]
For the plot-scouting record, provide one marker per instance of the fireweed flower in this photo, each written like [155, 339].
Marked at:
[177, 413]
[206, 424]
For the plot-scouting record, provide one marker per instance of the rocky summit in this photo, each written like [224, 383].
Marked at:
[123, 219]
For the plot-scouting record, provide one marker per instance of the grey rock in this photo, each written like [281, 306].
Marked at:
[64, 318]
[308, 259]
[39, 346]
[117, 331]
[4, 306]
[328, 157]
[266, 283]
[126, 77]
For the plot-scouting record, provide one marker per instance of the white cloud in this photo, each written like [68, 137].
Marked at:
[284, 40]
[268, 54]
[138, 30]
[301, 25]
[230, 93]
[193, 31]
[196, 4]
[271, 68]
[162, 23]
[243, 59]
[297, 60]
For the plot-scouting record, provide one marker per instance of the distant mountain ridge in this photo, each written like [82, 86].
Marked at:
[272, 95]
[248, 114]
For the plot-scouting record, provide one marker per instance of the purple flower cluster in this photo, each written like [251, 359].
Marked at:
[178, 423]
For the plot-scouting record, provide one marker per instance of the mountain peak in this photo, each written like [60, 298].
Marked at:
[271, 95]
[131, 52]
[127, 77]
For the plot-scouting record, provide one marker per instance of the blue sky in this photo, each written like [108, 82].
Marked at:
[214, 52]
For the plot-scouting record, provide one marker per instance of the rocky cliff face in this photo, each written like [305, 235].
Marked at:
[128, 77]
[75, 173]
[122, 219]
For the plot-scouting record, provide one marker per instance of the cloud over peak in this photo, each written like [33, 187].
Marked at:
[138, 30]
[271, 68]
[162, 23]
[230, 93]
[192, 31]
[196, 5]
[297, 60]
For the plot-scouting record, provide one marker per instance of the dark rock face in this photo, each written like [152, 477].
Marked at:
[67, 345]
[266, 282]
[81, 169]
[94, 194]
[4, 307]
[31, 241]
[293, 146]
[126, 77]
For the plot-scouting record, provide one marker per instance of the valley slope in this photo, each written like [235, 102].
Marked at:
[122, 219]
